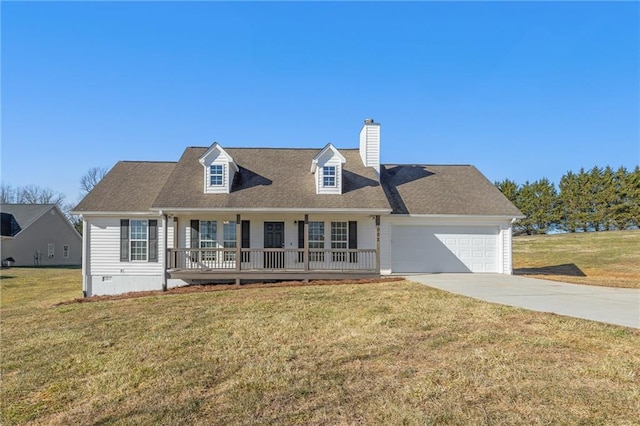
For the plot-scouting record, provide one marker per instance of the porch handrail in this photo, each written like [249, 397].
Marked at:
[271, 259]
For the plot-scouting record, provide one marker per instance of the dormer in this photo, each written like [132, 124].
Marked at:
[327, 168]
[219, 170]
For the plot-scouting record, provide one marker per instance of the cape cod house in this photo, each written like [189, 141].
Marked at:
[265, 213]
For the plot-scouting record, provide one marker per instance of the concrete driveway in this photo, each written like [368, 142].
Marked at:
[620, 306]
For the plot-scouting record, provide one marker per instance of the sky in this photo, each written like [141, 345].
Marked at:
[521, 90]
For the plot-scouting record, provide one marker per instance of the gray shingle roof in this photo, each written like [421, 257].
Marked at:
[130, 186]
[16, 217]
[456, 190]
[272, 178]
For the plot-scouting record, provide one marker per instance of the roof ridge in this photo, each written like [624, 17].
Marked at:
[274, 148]
[148, 161]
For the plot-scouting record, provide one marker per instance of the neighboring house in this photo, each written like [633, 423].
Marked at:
[264, 213]
[38, 235]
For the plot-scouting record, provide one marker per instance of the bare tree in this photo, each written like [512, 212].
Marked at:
[91, 179]
[33, 194]
[8, 194]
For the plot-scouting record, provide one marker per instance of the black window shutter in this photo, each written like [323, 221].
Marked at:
[300, 240]
[246, 240]
[195, 234]
[353, 241]
[153, 240]
[124, 240]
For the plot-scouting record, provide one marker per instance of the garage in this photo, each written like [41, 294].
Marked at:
[444, 249]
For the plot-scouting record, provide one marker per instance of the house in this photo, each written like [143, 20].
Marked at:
[268, 213]
[38, 235]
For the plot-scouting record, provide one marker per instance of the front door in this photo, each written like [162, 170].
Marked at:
[274, 238]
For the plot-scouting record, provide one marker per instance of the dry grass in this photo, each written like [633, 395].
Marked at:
[596, 258]
[385, 353]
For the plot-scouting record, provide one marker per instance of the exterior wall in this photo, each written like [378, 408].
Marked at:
[507, 249]
[50, 228]
[105, 273]
[386, 235]
[370, 145]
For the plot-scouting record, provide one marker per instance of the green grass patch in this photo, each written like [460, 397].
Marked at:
[597, 258]
[390, 353]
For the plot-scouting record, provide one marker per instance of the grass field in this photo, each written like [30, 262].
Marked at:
[596, 258]
[386, 353]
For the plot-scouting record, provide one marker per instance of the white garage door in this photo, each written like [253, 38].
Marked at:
[444, 249]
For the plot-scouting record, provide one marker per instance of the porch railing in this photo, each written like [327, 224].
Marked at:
[266, 259]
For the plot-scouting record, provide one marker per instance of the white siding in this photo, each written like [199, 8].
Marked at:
[337, 189]
[106, 274]
[370, 145]
[507, 250]
[105, 249]
[217, 156]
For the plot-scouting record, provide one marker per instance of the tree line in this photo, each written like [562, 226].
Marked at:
[34, 194]
[599, 199]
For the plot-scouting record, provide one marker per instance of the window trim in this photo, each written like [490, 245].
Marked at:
[218, 174]
[318, 243]
[145, 247]
[339, 244]
[329, 174]
[214, 241]
[231, 227]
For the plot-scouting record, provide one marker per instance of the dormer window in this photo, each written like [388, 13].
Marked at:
[216, 175]
[329, 176]
[219, 170]
[327, 167]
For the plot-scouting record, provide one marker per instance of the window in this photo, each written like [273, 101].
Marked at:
[138, 239]
[229, 242]
[65, 251]
[316, 241]
[329, 176]
[50, 250]
[216, 175]
[339, 233]
[208, 238]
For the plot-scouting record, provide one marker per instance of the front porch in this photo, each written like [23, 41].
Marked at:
[263, 247]
[271, 263]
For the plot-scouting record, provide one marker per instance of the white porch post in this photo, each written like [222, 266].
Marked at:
[306, 244]
[378, 243]
[165, 258]
[85, 260]
[238, 246]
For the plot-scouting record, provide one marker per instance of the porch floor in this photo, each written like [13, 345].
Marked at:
[266, 274]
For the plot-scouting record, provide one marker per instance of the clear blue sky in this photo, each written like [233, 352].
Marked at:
[521, 90]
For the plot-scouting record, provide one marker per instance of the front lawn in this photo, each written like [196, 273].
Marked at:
[385, 353]
[609, 258]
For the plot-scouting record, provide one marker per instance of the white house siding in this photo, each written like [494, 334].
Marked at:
[106, 274]
[332, 161]
[460, 244]
[507, 249]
